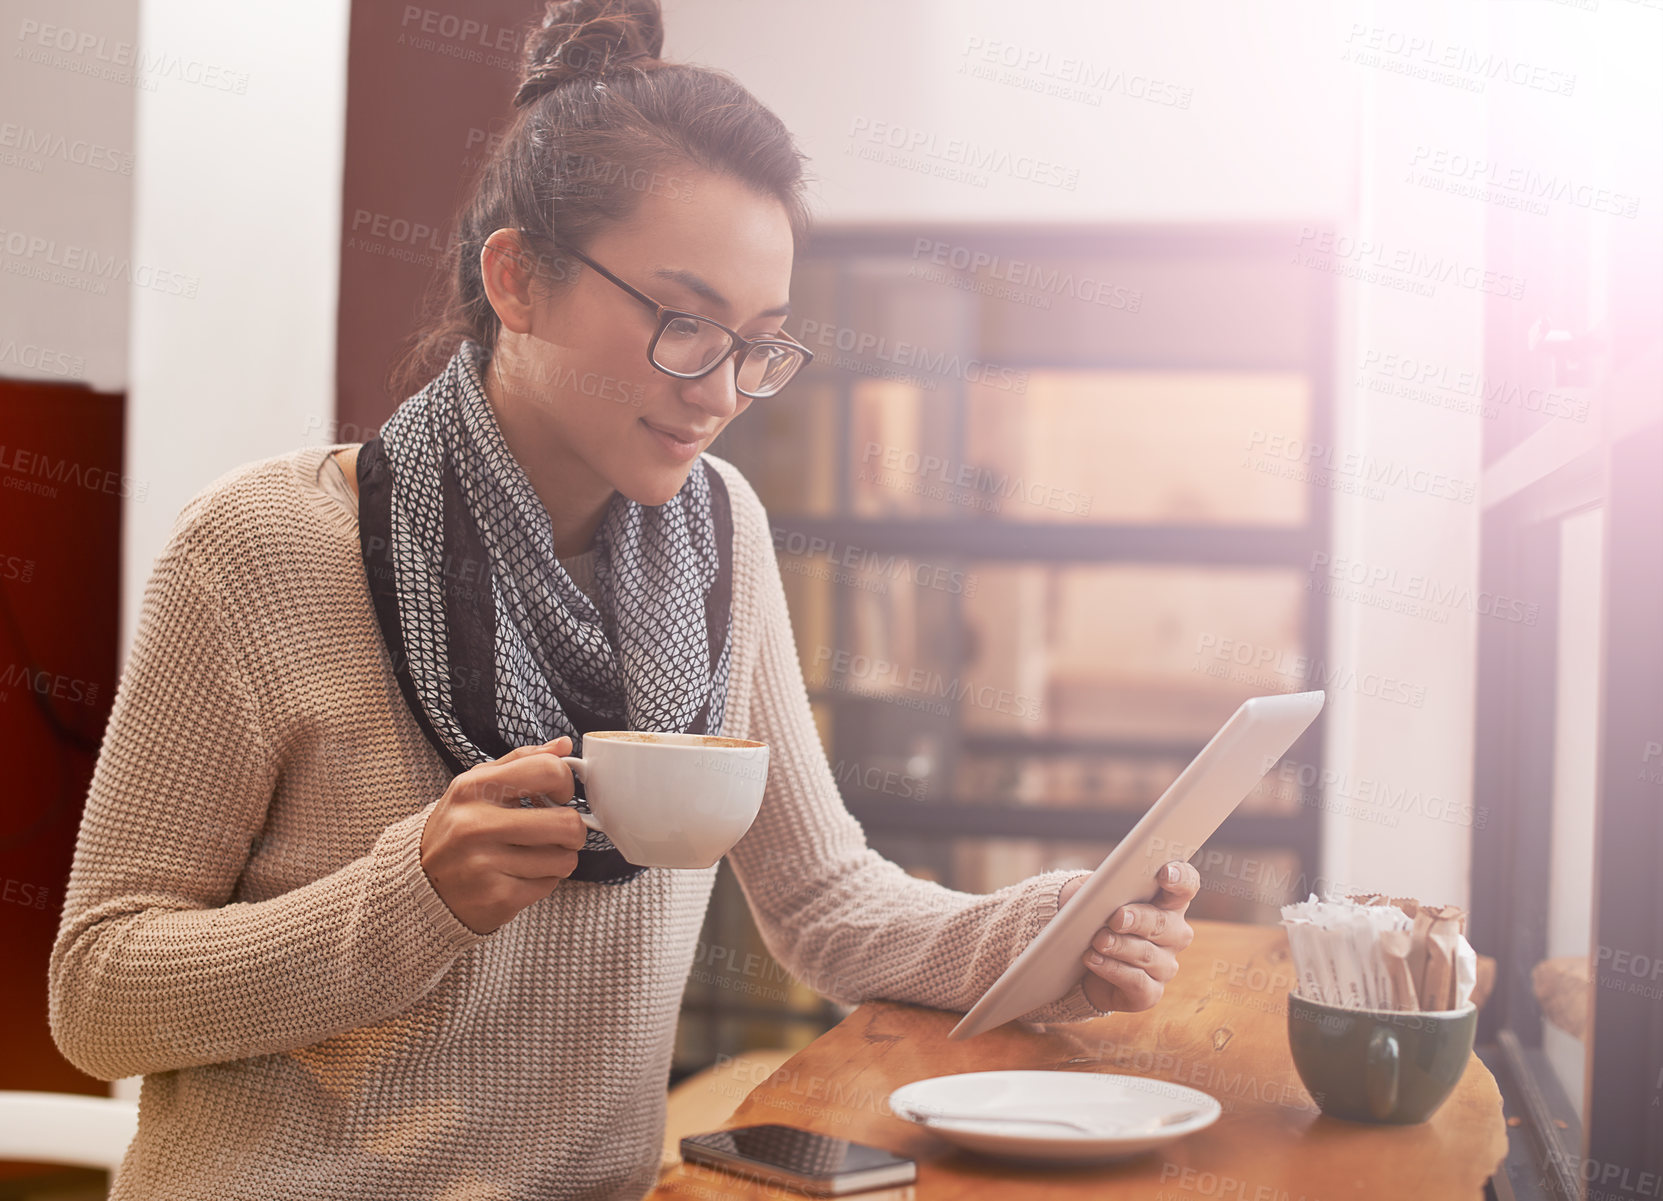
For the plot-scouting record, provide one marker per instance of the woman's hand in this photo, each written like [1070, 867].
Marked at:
[1135, 953]
[486, 857]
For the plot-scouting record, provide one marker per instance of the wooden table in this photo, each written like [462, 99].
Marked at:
[1222, 1028]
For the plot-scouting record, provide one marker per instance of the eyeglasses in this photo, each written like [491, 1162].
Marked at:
[690, 346]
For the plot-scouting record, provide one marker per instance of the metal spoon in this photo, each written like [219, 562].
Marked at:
[1150, 1127]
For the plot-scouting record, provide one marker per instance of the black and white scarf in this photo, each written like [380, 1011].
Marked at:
[494, 645]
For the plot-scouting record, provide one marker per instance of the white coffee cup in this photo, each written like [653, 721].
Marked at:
[670, 800]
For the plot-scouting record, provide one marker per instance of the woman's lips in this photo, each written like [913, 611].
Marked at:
[678, 447]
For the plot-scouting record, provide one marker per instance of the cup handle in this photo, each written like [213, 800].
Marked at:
[1380, 1073]
[580, 770]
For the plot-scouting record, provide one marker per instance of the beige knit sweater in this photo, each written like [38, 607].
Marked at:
[249, 927]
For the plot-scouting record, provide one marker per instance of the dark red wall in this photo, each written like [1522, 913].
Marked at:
[60, 542]
[427, 87]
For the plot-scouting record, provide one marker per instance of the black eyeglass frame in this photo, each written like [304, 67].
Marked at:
[664, 314]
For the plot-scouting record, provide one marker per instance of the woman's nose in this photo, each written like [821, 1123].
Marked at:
[714, 393]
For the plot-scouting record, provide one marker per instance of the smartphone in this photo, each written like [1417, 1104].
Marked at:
[814, 1163]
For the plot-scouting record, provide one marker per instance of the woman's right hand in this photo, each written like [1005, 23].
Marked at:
[486, 857]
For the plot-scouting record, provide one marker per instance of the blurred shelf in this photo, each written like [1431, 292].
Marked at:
[1211, 298]
[982, 819]
[1211, 242]
[1064, 744]
[992, 539]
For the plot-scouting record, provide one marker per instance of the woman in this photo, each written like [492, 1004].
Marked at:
[329, 897]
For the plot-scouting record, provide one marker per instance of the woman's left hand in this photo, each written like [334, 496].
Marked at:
[1135, 953]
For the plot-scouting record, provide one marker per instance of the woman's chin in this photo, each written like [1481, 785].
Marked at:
[655, 488]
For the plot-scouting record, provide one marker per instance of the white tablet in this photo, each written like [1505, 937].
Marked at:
[1186, 815]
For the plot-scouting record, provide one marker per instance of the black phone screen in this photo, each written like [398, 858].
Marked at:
[799, 1152]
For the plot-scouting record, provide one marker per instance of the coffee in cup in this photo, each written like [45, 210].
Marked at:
[670, 800]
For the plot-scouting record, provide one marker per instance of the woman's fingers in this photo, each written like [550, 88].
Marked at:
[1131, 988]
[485, 855]
[540, 772]
[1157, 960]
[1179, 883]
[1162, 926]
[491, 814]
[1162, 919]
[559, 826]
[559, 746]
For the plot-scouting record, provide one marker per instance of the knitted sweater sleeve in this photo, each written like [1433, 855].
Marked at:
[840, 917]
[154, 966]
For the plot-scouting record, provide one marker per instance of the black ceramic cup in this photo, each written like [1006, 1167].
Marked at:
[1376, 1065]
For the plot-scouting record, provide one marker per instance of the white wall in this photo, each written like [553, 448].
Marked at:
[1249, 117]
[1580, 638]
[238, 189]
[1421, 746]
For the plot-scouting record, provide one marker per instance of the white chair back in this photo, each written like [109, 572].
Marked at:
[64, 1128]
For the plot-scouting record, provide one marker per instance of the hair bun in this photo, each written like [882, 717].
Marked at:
[586, 39]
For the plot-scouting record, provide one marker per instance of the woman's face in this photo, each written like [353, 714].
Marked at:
[582, 409]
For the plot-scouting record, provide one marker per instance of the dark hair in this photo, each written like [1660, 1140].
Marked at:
[600, 121]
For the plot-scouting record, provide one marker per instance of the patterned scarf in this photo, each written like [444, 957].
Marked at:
[494, 645]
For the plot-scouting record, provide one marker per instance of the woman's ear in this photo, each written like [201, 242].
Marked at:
[507, 269]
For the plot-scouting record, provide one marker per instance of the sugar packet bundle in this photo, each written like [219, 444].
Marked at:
[1379, 952]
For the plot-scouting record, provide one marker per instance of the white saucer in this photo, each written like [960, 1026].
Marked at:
[1122, 1110]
